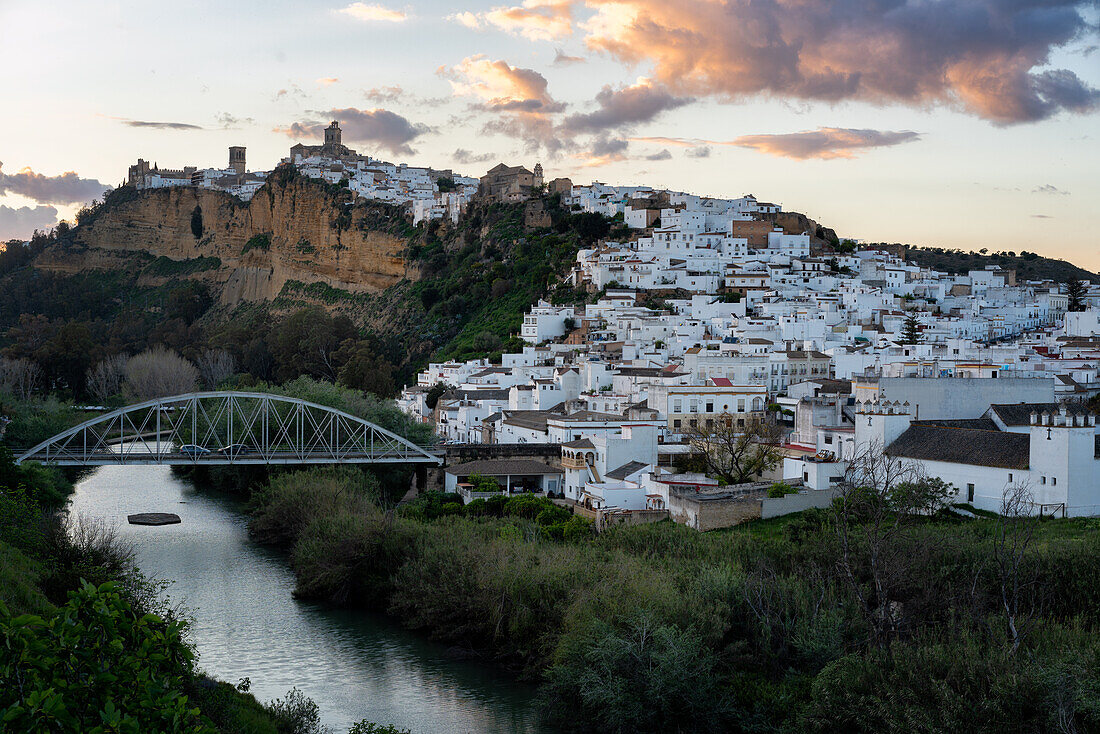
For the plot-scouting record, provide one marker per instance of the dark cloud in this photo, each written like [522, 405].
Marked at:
[380, 127]
[161, 125]
[700, 152]
[563, 59]
[604, 146]
[68, 188]
[987, 57]
[466, 157]
[1049, 189]
[825, 142]
[625, 106]
[1041, 216]
[663, 155]
[22, 222]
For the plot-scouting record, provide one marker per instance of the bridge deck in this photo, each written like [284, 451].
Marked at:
[177, 459]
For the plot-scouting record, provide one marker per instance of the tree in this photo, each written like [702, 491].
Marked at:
[105, 379]
[736, 454]
[216, 365]
[305, 343]
[1011, 540]
[910, 330]
[19, 377]
[159, 372]
[65, 358]
[877, 497]
[1077, 292]
[435, 392]
[364, 369]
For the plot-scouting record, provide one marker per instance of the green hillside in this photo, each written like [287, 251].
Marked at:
[1028, 265]
[477, 278]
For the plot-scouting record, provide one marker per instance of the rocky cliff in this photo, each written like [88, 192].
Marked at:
[294, 228]
[796, 223]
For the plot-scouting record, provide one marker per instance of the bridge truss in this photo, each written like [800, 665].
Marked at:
[221, 428]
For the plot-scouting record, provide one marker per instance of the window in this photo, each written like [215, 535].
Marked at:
[970, 493]
[829, 440]
[676, 423]
[710, 407]
[1010, 477]
[1053, 481]
[1043, 480]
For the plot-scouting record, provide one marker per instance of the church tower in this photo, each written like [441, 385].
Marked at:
[236, 159]
[538, 174]
[332, 134]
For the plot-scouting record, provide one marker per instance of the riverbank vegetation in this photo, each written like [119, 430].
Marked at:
[87, 642]
[760, 628]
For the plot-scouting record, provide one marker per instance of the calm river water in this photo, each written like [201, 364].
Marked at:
[247, 624]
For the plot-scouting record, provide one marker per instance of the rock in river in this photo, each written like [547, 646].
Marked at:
[153, 518]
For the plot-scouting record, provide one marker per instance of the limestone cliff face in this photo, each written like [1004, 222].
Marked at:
[293, 229]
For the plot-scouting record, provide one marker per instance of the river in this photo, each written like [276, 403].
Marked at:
[246, 623]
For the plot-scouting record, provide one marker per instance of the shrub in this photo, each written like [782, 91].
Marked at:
[257, 242]
[95, 666]
[781, 489]
[962, 684]
[650, 677]
[290, 502]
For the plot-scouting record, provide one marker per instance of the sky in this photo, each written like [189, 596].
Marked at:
[951, 123]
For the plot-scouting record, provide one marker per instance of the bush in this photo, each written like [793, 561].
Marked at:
[290, 502]
[348, 557]
[96, 666]
[781, 489]
[650, 677]
[962, 684]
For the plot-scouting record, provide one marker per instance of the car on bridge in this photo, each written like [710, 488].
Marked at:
[234, 450]
[194, 451]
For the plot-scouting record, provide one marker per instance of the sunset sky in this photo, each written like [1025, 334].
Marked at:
[955, 123]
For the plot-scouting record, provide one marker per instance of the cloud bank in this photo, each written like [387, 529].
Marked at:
[985, 57]
[380, 127]
[638, 103]
[67, 188]
[22, 222]
[825, 142]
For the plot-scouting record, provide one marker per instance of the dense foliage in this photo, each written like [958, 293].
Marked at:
[661, 628]
[1028, 265]
[96, 666]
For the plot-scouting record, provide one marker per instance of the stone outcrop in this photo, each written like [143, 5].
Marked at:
[293, 229]
[796, 223]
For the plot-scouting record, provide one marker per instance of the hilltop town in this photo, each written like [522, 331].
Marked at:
[708, 315]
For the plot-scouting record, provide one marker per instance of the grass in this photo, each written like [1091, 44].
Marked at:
[19, 576]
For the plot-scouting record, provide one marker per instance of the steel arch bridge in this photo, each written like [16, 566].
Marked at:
[220, 428]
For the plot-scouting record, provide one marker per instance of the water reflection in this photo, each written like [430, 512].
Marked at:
[247, 624]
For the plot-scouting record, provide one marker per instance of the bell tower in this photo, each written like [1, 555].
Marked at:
[236, 159]
[332, 134]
